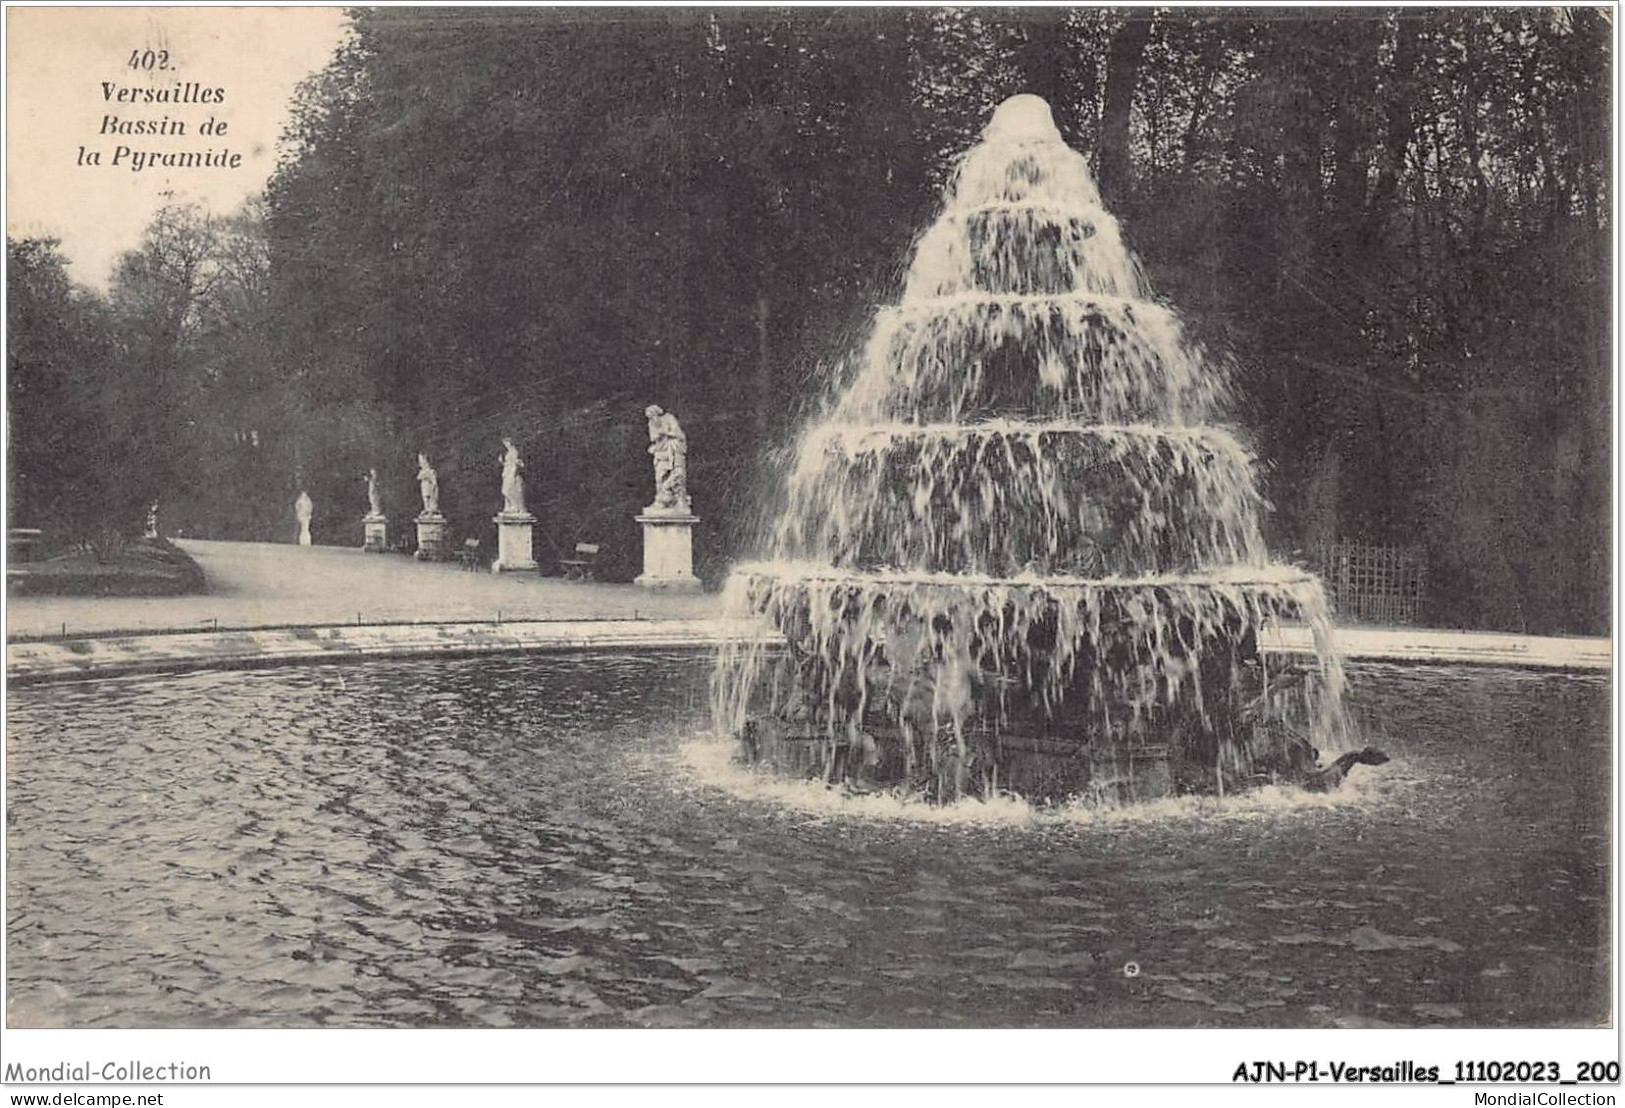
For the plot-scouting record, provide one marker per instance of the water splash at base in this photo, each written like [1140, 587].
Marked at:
[713, 762]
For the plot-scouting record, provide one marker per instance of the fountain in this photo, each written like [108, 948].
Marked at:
[1020, 553]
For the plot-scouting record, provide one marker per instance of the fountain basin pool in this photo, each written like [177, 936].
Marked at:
[549, 841]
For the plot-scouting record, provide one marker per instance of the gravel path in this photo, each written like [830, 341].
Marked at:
[270, 585]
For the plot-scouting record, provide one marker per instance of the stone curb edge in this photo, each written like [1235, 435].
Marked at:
[37, 662]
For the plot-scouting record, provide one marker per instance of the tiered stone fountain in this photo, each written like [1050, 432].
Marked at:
[1020, 553]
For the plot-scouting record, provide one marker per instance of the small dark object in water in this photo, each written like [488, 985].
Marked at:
[1325, 780]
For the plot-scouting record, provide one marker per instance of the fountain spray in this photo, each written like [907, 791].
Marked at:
[1022, 551]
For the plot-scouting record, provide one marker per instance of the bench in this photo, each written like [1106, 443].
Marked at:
[21, 541]
[579, 568]
[469, 556]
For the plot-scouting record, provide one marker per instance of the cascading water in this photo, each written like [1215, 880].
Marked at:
[1019, 554]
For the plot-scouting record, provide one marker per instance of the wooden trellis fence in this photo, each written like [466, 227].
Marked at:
[1375, 584]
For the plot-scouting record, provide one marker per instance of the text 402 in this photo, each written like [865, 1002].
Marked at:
[149, 59]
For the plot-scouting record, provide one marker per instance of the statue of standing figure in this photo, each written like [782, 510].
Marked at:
[513, 485]
[669, 446]
[668, 523]
[429, 486]
[303, 509]
[375, 502]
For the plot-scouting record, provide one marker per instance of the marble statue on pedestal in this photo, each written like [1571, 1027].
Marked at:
[431, 524]
[303, 509]
[668, 523]
[514, 545]
[669, 446]
[375, 528]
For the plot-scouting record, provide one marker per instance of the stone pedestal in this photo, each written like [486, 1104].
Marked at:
[375, 534]
[432, 538]
[513, 543]
[668, 549]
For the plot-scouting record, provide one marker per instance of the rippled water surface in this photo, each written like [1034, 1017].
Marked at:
[542, 841]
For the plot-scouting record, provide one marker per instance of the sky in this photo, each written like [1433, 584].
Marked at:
[65, 68]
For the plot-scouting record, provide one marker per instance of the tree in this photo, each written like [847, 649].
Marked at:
[69, 455]
[157, 300]
[1123, 66]
[242, 413]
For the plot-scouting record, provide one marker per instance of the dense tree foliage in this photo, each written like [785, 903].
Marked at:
[1393, 224]
[1397, 222]
[69, 452]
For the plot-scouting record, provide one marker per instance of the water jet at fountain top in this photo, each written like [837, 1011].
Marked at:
[1021, 164]
[1022, 118]
[1032, 434]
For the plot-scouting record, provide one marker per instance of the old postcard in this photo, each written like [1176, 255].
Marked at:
[1093, 522]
